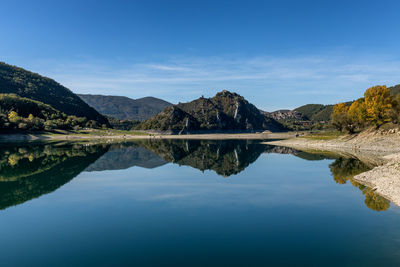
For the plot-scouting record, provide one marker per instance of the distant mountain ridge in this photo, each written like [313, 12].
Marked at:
[15, 80]
[226, 111]
[316, 112]
[125, 108]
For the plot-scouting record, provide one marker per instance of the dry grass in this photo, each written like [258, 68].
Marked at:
[325, 135]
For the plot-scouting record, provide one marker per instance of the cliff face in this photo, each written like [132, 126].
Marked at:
[224, 112]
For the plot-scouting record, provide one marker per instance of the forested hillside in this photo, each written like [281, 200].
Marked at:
[19, 113]
[14, 80]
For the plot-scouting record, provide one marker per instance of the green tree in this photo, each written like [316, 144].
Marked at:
[50, 125]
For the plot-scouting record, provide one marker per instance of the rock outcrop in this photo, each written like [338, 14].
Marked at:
[224, 112]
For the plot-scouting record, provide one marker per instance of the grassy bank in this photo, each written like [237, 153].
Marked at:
[323, 135]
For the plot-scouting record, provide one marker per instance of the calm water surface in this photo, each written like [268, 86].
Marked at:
[187, 203]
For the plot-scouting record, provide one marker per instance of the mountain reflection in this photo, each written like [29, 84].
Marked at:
[126, 155]
[224, 157]
[28, 171]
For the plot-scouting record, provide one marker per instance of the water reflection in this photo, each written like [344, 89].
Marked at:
[31, 170]
[127, 155]
[225, 158]
[344, 169]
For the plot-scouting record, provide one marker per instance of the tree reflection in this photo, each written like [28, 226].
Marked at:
[344, 169]
[373, 200]
[33, 170]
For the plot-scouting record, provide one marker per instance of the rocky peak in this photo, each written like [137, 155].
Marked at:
[224, 111]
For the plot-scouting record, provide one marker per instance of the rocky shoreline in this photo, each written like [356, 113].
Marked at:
[381, 148]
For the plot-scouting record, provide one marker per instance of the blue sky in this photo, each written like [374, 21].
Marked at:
[277, 54]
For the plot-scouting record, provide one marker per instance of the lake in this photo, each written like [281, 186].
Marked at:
[189, 203]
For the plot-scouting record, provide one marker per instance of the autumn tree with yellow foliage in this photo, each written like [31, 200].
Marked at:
[358, 113]
[376, 108]
[13, 117]
[340, 119]
[378, 104]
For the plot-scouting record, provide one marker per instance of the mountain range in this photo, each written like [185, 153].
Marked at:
[27, 93]
[125, 108]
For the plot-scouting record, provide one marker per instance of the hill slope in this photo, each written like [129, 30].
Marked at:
[307, 117]
[34, 86]
[25, 106]
[315, 112]
[224, 112]
[123, 108]
[395, 89]
[20, 113]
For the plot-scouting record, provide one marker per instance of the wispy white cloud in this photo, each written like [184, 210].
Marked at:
[169, 67]
[269, 82]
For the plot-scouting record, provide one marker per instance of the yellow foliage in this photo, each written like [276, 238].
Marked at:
[376, 108]
[31, 117]
[339, 117]
[13, 117]
[13, 159]
[357, 111]
[340, 108]
[378, 104]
